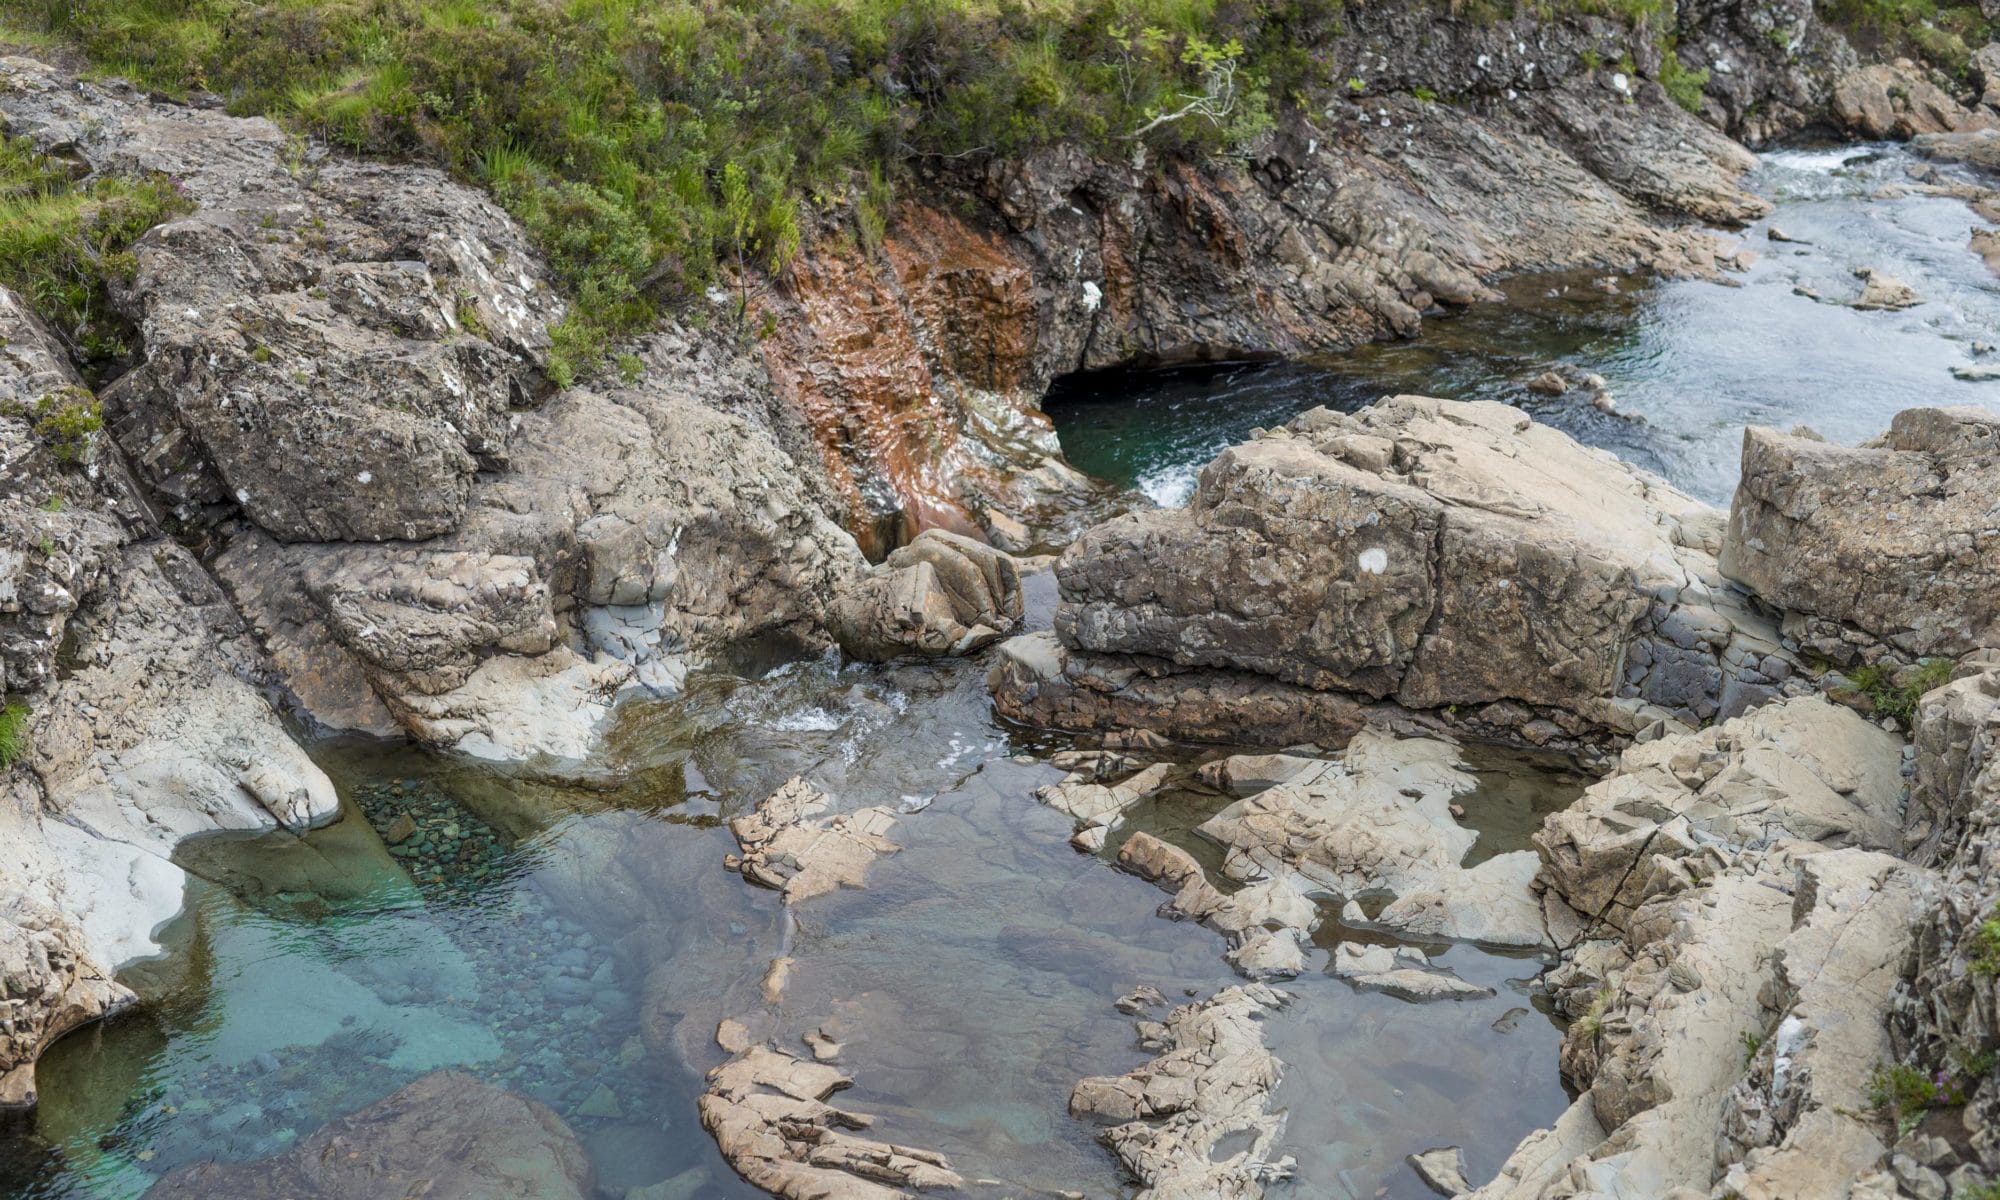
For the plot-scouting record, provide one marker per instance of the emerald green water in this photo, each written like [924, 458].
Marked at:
[577, 940]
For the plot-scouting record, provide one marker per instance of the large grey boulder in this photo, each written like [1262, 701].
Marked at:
[1886, 547]
[1430, 553]
[332, 348]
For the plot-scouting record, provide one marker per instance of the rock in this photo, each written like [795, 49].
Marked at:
[49, 985]
[401, 830]
[1879, 292]
[1789, 1126]
[1976, 373]
[767, 1113]
[1245, 774]
[602, 1103]
[1102, 806]
[941, 594]
[1977, 148]
[1212, 1083]
[1442, 1170]
[1910, 516]
[1377, 969]
[334, 352]
[1895, 100]
[1775, 234]
[1267, 924]
[786, 846]
[1378, 820]
[1548, 383]
[1298, 586]
[503, 1146]
[1800, 769]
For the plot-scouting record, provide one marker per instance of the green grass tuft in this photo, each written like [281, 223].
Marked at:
[13, 733]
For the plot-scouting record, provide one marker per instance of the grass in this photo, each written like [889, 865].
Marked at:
[1942, 34]
[62, 243]
[1592, 1021]
[652, 146]
[1899, 700]
[13, 733]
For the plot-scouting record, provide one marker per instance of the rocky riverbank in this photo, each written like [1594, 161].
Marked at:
[336, 490]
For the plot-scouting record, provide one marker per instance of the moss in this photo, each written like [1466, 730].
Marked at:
[1939, 33]
[13, 733]
[67, 420]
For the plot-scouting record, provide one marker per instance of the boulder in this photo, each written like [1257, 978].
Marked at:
[1977, 148]
[1892, 541]
[502, 1146]
[1896, 100]
[941, 594]
[1799, 770]
[1428, 553]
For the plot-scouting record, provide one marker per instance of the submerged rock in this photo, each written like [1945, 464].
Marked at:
[1379, 820]
[787, 846]
[1212, 1084]
[447, 1136]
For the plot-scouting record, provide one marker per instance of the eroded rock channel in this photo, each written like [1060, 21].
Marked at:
[446, 783]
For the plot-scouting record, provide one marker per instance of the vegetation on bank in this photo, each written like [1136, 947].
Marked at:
[1943, 34]
[646, 143]
[61, 245]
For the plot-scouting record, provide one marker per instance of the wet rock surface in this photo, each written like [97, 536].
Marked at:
[49, 985]
[1179, 1119]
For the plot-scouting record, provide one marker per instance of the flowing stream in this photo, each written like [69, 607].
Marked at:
[577, 941]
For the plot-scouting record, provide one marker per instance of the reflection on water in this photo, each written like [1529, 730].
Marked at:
[1695, 361]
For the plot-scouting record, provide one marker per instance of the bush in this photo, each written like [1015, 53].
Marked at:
[1683, 85]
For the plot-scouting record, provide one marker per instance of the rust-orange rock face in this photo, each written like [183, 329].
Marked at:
[919, 368]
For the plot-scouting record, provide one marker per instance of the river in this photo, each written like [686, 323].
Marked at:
[576, 939]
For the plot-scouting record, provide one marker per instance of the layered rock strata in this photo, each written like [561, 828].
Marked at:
[1417, 555]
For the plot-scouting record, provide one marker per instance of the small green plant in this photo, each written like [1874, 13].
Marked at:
[1752, 1042]
[53, 504]
[631, 368]
[1355, 85]
[1899, 700]
[468, 316]
[1592, 1021]
[13, 733]
[67, 419]
[1425, 95]
[261, 353]
[1982, 946]
[1902, 1094]
[1591, 59]
[1683, 85]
